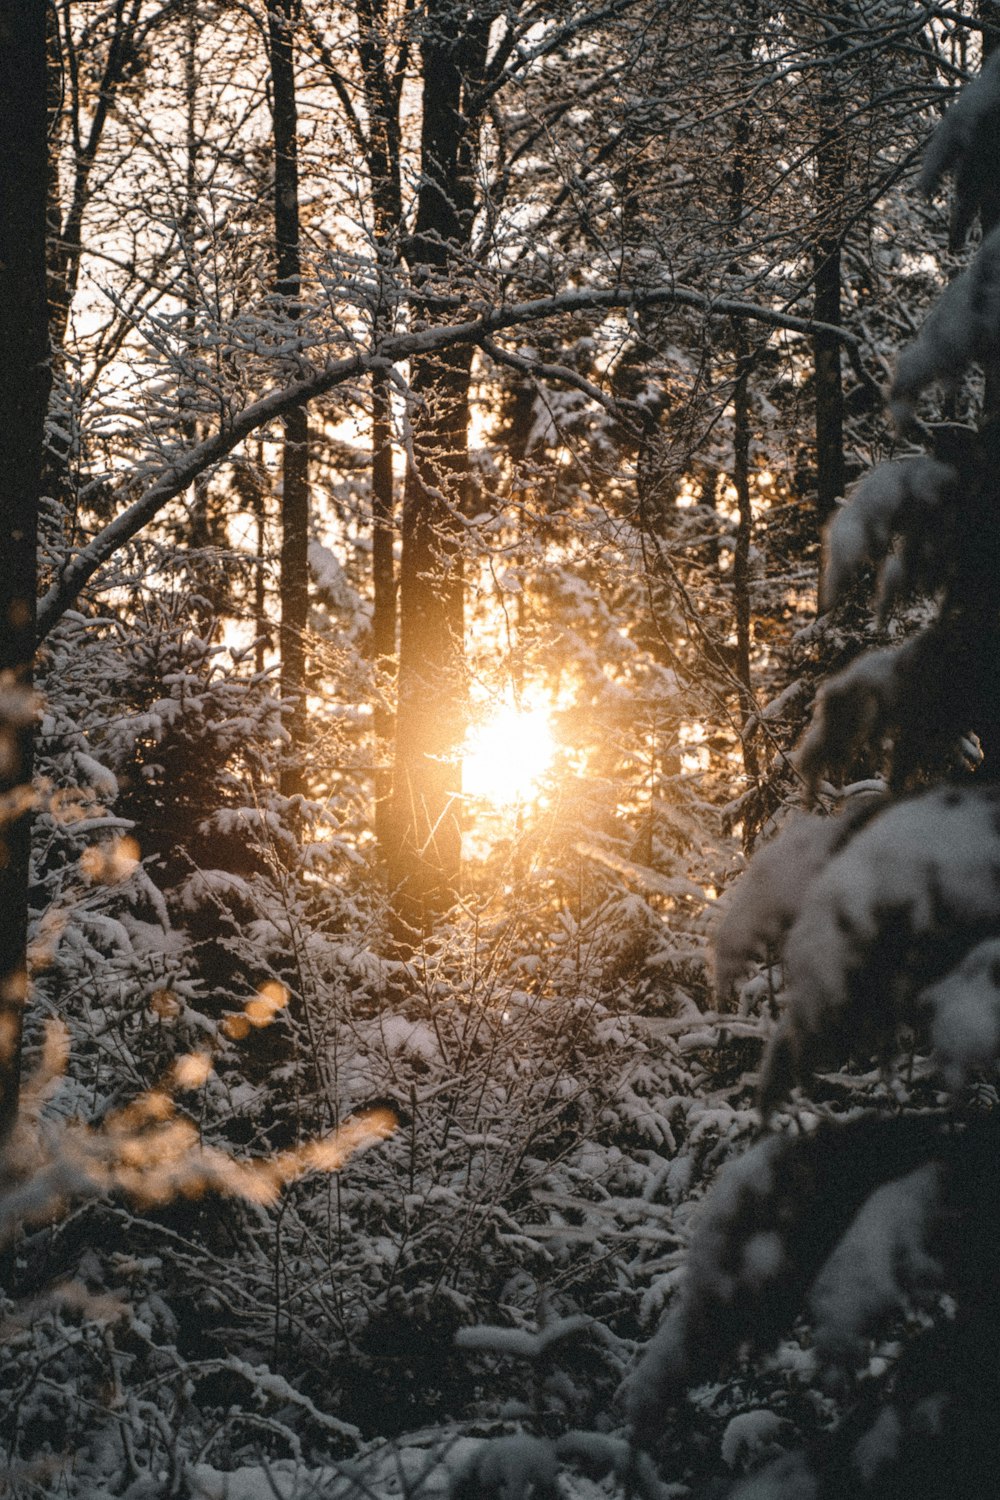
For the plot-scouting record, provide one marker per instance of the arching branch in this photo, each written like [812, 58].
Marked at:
[177, 474]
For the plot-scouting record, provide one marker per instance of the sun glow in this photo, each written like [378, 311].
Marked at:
[506, 754]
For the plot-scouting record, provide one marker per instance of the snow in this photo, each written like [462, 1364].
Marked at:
[400, 1034]
[788, 1478]
[862, 528]
[962, 327]
[682, 1345]
[965, 1013]
[879, 1446]
[764, 904]
[94, 775]
[562, 1155]
[920, 864]
[877, 1265]
[854, 708]
[749, 1435]
[763, 1258]
[519, 1467]
[954, 145]
[329, 577]
[519, 1342]
[282, 1479]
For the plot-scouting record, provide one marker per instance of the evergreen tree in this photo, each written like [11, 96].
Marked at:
[882, 1217]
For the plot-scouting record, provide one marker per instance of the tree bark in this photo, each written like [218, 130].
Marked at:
[383, 594]
[66, 249]
[831, 174]
[425, 834]
[383, 152]
[25, 379]
[294, 556]
[424, 827]
[741, 560]
[744, 364]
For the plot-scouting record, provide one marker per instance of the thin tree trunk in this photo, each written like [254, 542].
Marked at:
[259, 505]
[25, 378]
[293, 589]
[383, 594]
[989, 14]
[829, 382]
[66, 253]
[831, 173]
[741, 557]
[383, 148]
[199, 532]
[742, 438]
[294, 557]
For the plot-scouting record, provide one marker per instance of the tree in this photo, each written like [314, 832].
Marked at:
[24, 390]
[424, 855]
[281, 16]
[887, 918]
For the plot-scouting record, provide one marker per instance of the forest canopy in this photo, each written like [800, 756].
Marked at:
[498, 579]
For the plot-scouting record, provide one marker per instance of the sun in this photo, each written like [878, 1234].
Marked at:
[506, 754]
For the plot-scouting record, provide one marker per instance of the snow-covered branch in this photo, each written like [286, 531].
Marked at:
[178, 474]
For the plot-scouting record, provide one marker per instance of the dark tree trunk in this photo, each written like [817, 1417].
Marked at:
[25, 377]
[989, 14]
[424, 827]
[831, 174]
[258, 503]
[741, 561]
[744, 361]
[80, 123]
[199, 530]
[383, 594]
[294, 560]
[383, 144]
[829, 382]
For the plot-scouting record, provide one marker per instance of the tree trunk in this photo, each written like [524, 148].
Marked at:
[425, 836]
[829, 382]
[989, 14]
[25, 378]
[831, 173]
[744, 362]
[294, 559]
[383, 147]
[424, 827]
[199, 530]
[741, 561]
[383, 594]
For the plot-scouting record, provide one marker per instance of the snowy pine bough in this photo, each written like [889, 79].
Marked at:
[886, 921]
